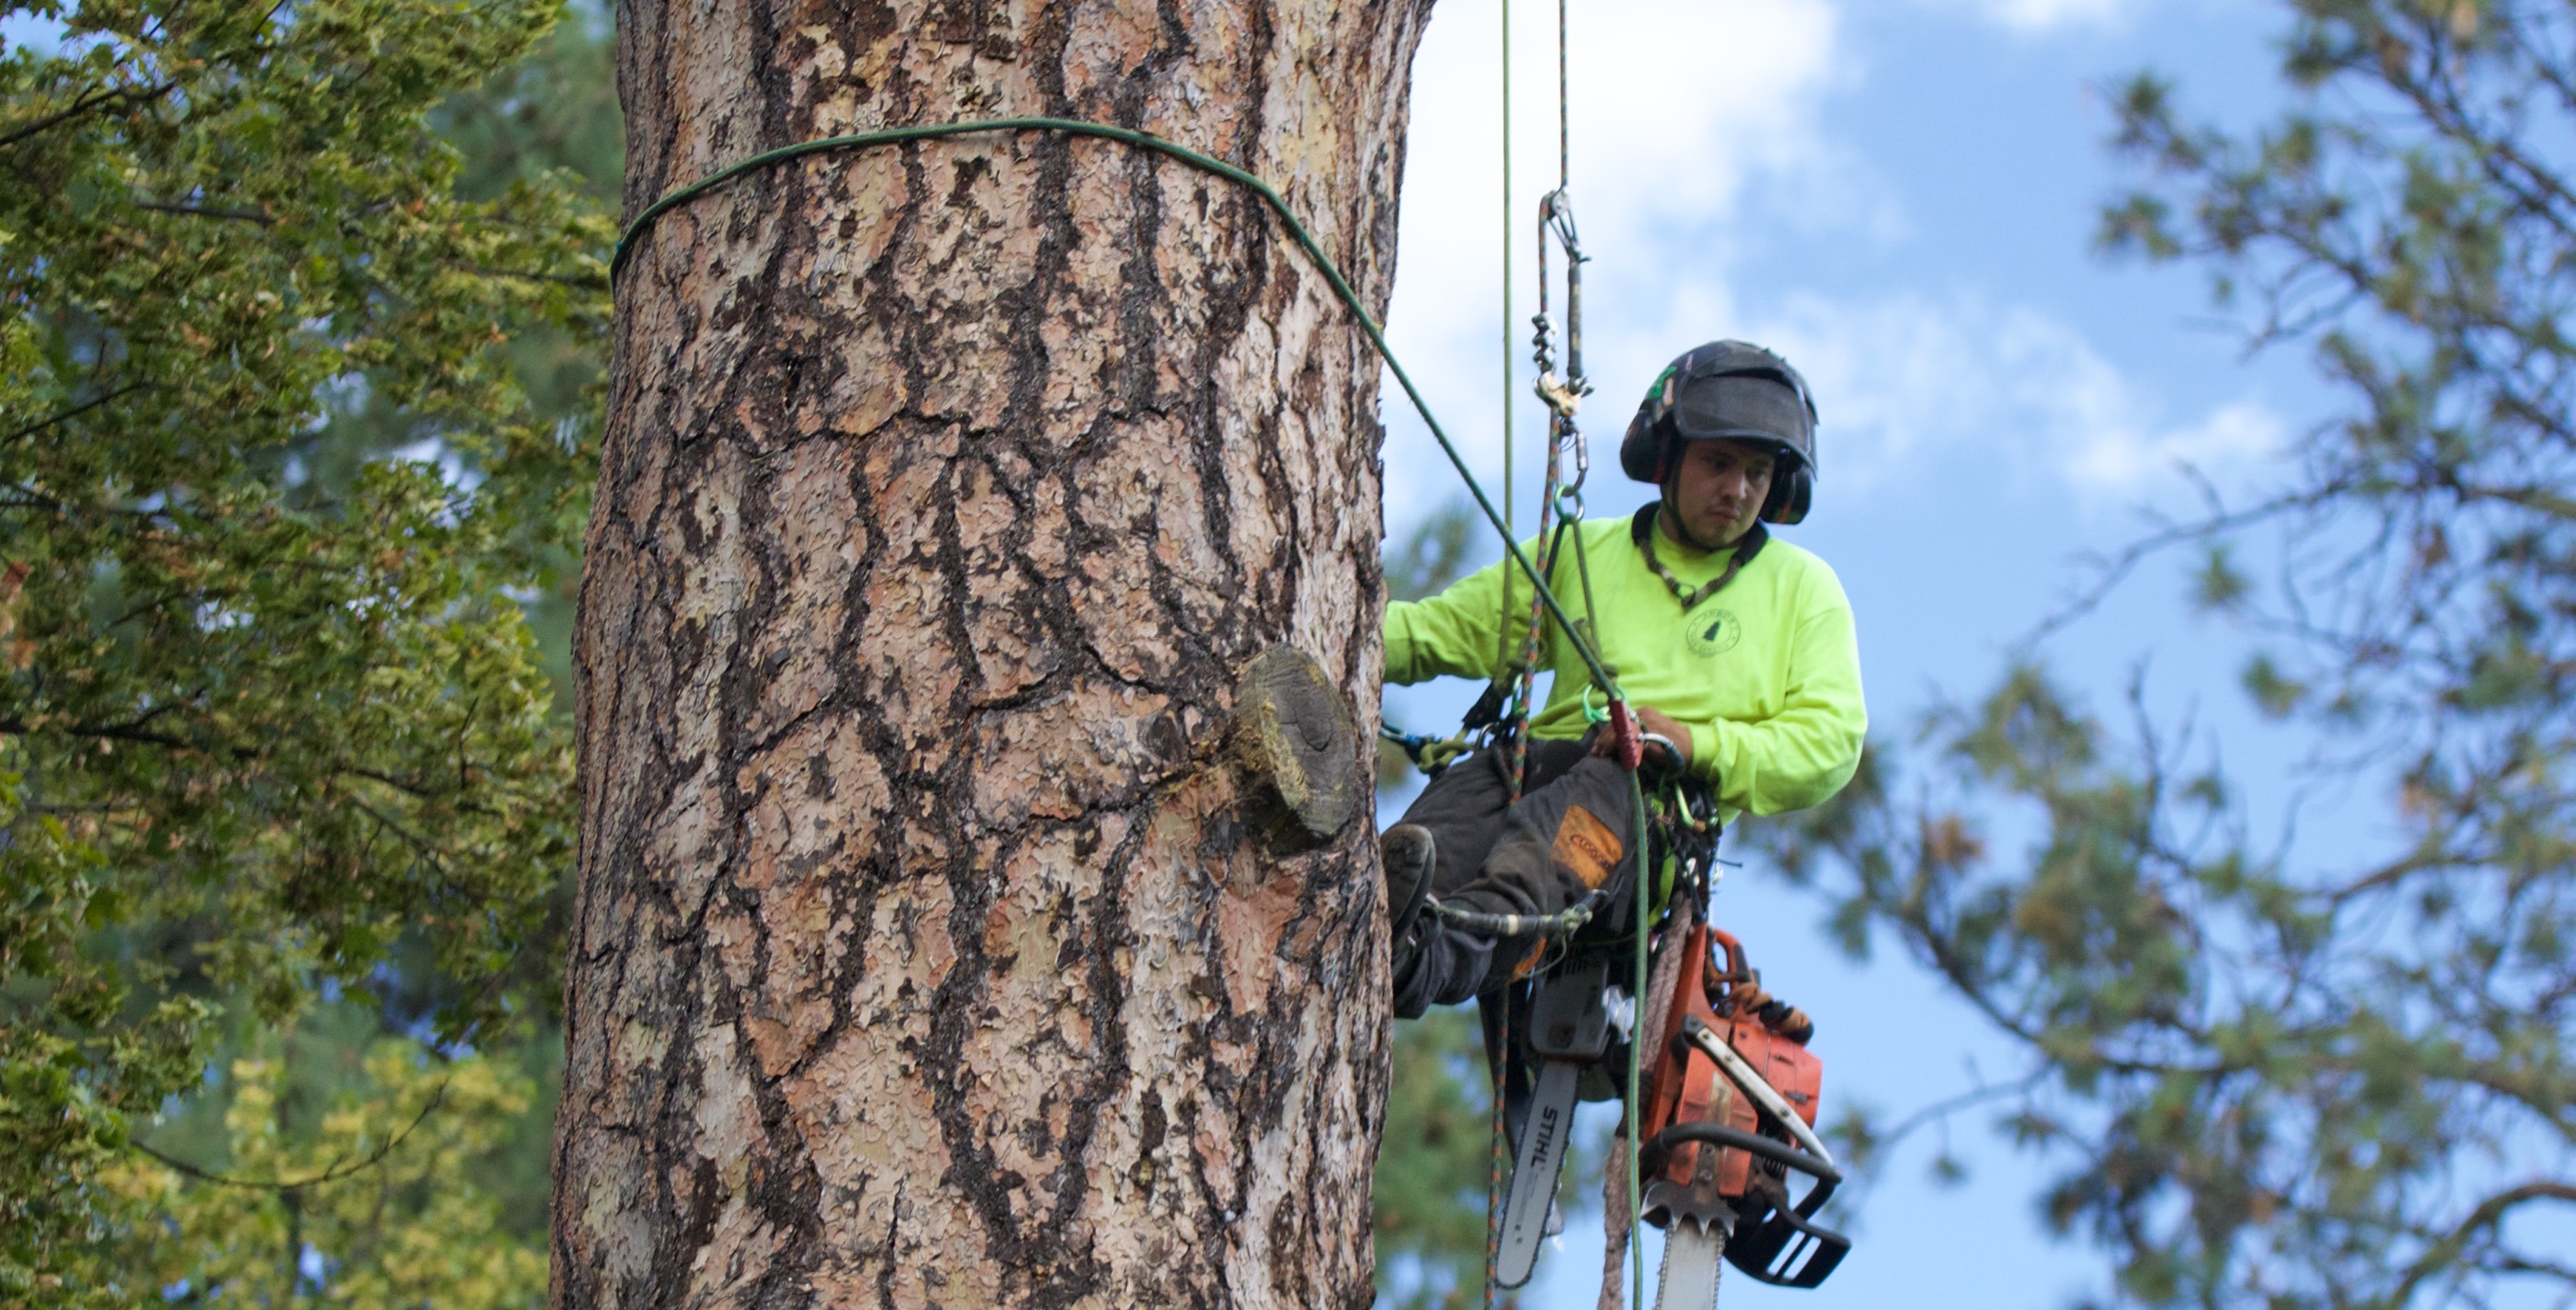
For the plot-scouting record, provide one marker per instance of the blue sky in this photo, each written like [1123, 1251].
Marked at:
[1901, 196]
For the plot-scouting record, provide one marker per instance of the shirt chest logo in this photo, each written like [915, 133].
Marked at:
[1712, 632]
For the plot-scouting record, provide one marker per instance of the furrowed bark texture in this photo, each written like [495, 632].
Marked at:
[932, 948]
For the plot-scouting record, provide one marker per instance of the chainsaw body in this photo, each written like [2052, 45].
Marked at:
[1721, 1153]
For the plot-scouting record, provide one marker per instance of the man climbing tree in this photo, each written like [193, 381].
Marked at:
[1738, 649]
[1737, 653]
[974, 904]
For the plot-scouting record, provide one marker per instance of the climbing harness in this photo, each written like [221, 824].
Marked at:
[1566, 1031]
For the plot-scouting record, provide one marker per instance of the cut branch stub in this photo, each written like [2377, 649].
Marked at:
[1296, 747]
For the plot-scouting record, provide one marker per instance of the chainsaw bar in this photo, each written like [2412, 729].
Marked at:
[1542, 1158]
[1694, 1257]
[1569, 1029]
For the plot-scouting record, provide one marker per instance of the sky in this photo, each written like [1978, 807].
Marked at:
[1899, 195]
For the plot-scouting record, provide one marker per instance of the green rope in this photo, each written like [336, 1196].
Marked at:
[1503, 636]
[1148, 141]
[1507, 281]
[1637, 1040]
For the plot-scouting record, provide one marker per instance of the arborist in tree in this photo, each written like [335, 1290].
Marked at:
[1737, 649]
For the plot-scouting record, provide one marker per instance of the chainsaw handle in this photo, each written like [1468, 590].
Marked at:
[1658, 1149]
[1736, 967]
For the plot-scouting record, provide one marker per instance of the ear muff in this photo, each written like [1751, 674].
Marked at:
[1645, 451]
[1792, 490]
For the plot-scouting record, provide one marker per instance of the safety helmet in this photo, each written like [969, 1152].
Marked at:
[1731, 391]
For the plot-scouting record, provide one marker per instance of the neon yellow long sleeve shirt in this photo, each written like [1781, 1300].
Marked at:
[1766, 673]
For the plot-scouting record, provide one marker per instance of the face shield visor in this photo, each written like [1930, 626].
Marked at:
[1761, 408]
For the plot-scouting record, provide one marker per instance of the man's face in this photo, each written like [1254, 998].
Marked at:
[1718, 489]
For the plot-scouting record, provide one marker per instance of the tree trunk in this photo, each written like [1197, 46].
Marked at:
[978, 903]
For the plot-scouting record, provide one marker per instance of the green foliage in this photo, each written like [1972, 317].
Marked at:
[2310, 1072]
[2268, 1094]
[550, 119]
[2219, 585]
[1435, 553]
[368, 1191]
[2271, 692]
[271, 487]
[1431, 557]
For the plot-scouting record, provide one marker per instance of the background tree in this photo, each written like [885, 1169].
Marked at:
[275, 729]
[940, 936]
[1433, 1160]
[2292, 1072]
[1429, 1193]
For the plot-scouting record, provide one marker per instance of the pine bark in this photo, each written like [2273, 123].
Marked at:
[956, 926]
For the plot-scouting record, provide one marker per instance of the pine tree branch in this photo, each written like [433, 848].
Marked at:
[2489, 1214]
[259, 216]
[86, 103]
[331, 1173]
[74, 412]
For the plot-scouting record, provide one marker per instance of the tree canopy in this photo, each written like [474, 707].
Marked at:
[275, 492]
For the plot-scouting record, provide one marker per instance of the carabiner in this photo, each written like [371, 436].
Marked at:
[1563, 395]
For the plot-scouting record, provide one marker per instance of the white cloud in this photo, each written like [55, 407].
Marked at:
[1907, 380]
[1686, 143]
[2232, 438]
[1674, 134]
[2038, 15]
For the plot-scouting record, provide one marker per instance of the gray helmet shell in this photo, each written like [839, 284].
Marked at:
[1729, 391]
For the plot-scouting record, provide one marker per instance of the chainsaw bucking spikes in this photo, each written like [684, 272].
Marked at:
[1730, 1115]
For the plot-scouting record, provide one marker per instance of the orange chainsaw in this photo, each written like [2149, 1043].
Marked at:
[1730, 1116]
